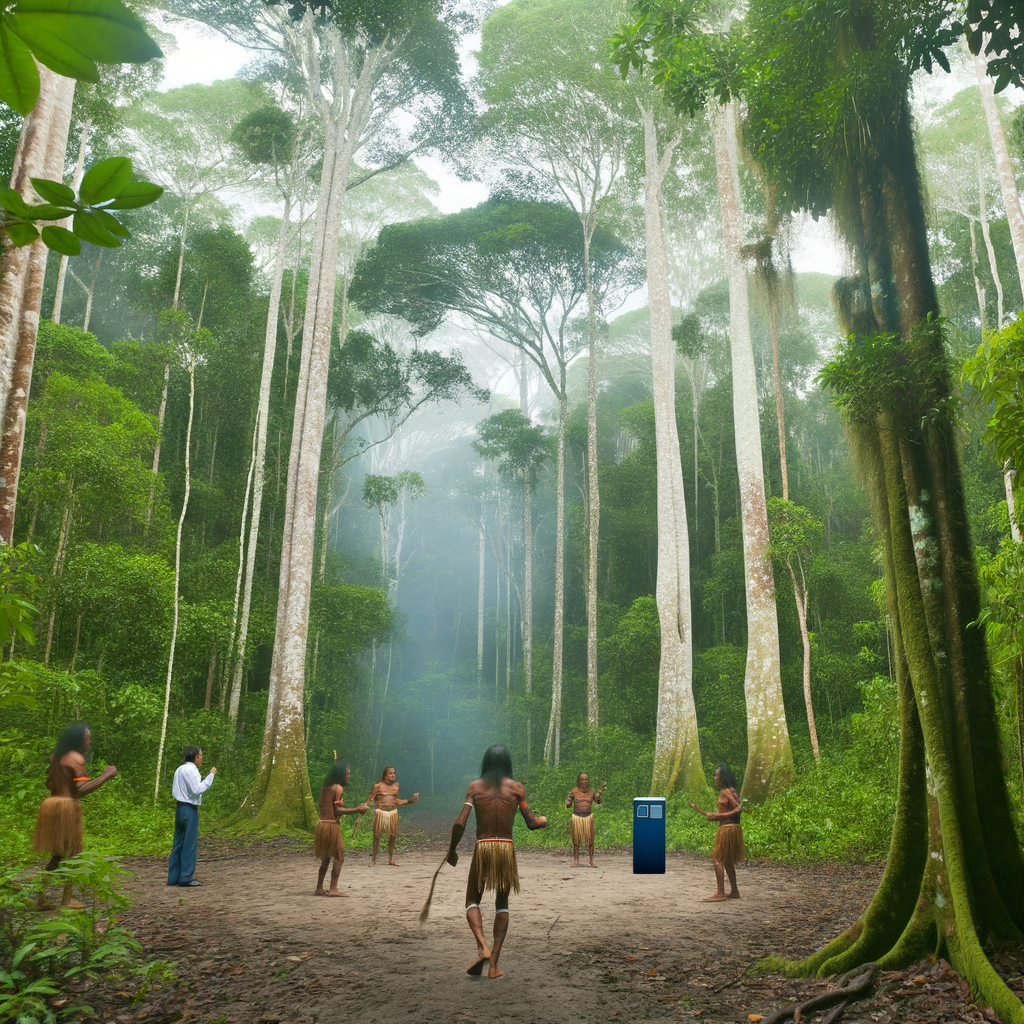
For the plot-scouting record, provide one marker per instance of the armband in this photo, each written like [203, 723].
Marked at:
[524, 806]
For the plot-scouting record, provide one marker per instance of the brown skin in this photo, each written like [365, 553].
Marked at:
[495, 812]
[331, 808]
[384, 796]
[580, 799]
[76, 762]
[728, 805]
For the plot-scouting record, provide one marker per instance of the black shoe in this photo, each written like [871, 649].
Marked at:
[189, 885]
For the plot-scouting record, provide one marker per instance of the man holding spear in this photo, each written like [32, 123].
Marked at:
[494, 797]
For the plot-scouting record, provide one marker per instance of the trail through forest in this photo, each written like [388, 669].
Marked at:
[255, 945]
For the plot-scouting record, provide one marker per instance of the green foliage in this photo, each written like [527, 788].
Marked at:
[107, 185]
[266, 136]
[994, 26]
[41, 956]
[996, 374]
[69, 37]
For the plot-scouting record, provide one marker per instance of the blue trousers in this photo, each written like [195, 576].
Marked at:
[182, 864]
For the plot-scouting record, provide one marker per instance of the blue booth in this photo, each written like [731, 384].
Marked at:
[649, 835]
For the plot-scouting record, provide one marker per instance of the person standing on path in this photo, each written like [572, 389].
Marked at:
[581, 825]
[187, 788]
[327, 839]
[495, 797]
[729, 839]
[385, 802]
[59, 830]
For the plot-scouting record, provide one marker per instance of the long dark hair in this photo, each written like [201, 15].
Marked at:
[496, 765]
[726, 776]
[387, 768]
[336, 774]
[72, 738]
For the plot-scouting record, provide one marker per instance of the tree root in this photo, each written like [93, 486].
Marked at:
[849, 988]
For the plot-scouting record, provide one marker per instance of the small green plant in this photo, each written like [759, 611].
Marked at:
[45, 957]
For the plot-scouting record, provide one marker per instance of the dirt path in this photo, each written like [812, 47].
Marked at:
[254, 944]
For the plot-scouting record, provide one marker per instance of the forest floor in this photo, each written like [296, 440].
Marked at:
[255, 945]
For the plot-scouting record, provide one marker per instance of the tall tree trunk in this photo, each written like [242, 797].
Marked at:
[41, 151]
[780, 407]
[76, 180]
[159, 438]
[1004, 168]
[993, 266]
[280, 793]
[209, 676]
[259, 460]
[58, 568]
[979, 288]
[800, 593]
[527, 613]
[553, 740]
[677, 761]
[593, 493]
[177, 572]
[480, 600]
[769, 756]
[1009, 472]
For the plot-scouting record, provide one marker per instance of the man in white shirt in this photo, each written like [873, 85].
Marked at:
[187, 788]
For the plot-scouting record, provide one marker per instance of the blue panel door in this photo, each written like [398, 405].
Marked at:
[649, 835]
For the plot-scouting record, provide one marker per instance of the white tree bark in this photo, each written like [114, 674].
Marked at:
[593, 491]
[990, 249]
[41, 152]
[481, 596]
[769, 756]
[177, 571]
[281, 790]
[76, 180]
[1007, 182]
[677, 761]
[260, 465]
[553, 740]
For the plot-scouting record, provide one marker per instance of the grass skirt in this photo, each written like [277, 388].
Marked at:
[729, 844]
[582, 829]
[494, 867]
[327, 841]
[59, 827]
[385, 822]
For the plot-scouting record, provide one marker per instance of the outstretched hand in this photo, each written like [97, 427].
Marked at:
[362, 808]
[109, 772]
[415, 798]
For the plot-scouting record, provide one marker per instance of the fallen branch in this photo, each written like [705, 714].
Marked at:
[835, 1013]
[553, 923]
[733, 981]
[858, 987]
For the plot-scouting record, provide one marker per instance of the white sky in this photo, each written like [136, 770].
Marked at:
[204, 56]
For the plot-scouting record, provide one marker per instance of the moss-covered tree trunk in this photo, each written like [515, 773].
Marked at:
[954, 880]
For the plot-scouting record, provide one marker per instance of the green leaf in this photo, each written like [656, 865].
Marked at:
[53, 191]
[61, 240]
[21, 234]
[47, 211]
[89, 229]
[111, 223]
[105, 180]
[19, 76]
[69, 36]
[12, 202]
[134, 195]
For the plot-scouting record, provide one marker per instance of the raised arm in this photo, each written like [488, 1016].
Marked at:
[340, 808]
[597, 799]
[569, 800]
[533, 822]
[76, 763]
[734, 806]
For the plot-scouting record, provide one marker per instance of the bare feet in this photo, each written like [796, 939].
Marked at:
[734, 895]
[476, 968]
[494, 972]
[372, 864]
[575, 863]
[592, 864]
[392, 863]
[320, 892]
[717, 898]
[334, 892]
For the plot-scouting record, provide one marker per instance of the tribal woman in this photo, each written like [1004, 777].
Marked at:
[59, 821]
[729, 840]
[327, 841]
